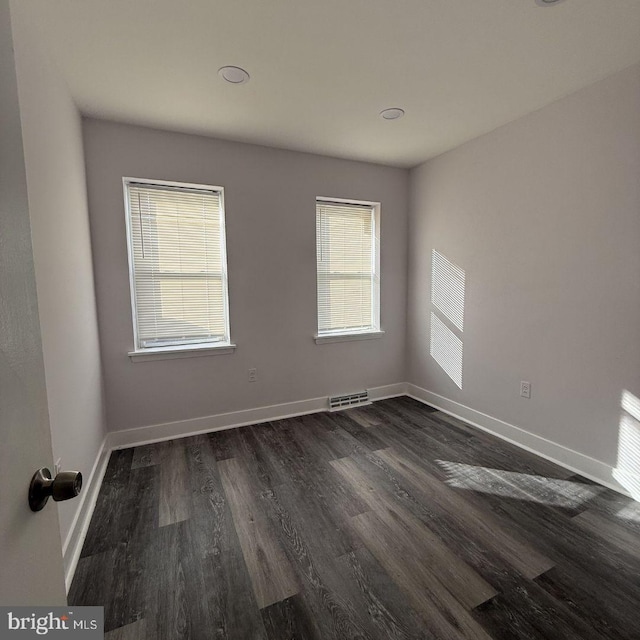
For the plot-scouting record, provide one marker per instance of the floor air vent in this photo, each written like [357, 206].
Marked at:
[354, 399]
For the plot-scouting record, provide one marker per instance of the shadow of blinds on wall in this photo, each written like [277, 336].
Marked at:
[447, 317]
[627, 470]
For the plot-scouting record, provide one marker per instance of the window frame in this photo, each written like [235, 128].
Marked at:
[375, 329]
[186, 349]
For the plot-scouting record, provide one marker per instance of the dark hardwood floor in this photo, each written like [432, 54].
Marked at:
[391, 521]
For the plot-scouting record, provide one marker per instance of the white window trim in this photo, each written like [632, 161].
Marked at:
[327, 338]
[375, 331]
[183, 350]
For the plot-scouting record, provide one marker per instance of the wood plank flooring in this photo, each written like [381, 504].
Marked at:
[391, 521]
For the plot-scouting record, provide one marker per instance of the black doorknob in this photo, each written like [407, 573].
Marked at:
[66, 485]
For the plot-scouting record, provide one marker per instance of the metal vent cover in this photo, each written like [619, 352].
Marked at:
[351, 400]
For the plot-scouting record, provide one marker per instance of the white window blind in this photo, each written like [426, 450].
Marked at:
[347, 259]
[177, 259]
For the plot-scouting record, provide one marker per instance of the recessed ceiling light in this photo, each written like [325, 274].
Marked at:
[234, 75]
[547, 3]
[392, 114]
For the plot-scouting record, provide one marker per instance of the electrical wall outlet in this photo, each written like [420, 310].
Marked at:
[253, 375]
[525, 389]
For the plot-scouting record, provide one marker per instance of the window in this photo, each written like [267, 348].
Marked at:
[347, 248]
[178, 267]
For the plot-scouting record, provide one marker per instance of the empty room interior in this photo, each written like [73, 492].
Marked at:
[335, 307]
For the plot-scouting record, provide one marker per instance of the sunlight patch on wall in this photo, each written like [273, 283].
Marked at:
[630, 404]
[447, 289]
[521, 486]
[446, 349]
[627, 471]
[447, 298]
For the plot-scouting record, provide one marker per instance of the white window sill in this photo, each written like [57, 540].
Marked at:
[181, 351]
[348, 337]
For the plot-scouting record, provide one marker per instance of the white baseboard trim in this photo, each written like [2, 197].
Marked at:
[183, 428]
[559, 454]
[388, 391]
[78, 530]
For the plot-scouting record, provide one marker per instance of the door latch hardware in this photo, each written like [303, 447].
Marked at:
[66, 485]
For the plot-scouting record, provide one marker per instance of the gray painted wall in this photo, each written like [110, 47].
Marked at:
[270, 215]
[54, 159]
[544, 216]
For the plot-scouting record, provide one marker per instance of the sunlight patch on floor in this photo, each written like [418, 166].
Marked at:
[521, 486]
[630, 512]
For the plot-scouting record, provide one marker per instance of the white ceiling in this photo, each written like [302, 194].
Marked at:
[322, 70]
